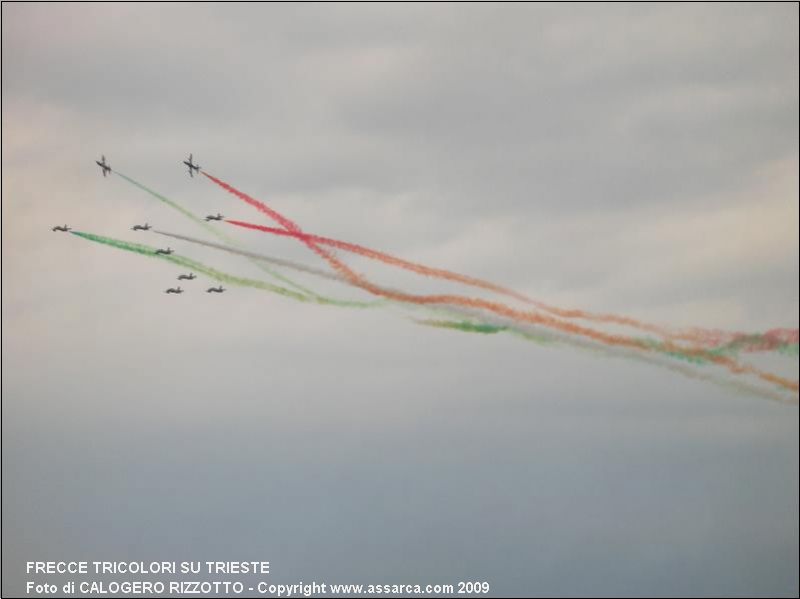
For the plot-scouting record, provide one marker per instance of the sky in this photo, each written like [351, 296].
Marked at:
[635, 159]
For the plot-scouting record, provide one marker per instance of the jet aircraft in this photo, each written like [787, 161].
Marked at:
[166, 252]
[144, 227]
[212, 217]
[102, 164]
[188, 277]
[192, 167]
[65, 228]
[174, 290]
[219, 289]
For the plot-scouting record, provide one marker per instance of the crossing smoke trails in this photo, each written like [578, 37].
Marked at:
[539, 336]
[213, 273]
[777, 340]
[713, 350]
[781, 340]
[223, 277]
[768, 341]
[258, 205]
[667, 347]
[748, 344]
[255, 256]
[218, 234]
[545, 337]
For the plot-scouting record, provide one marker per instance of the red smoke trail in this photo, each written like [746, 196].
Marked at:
[292, 229]
[498, 308]
[786, 336]
[534, 318]
[277, 217]
[703, 337]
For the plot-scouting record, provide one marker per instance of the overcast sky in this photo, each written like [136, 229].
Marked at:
[638, 159]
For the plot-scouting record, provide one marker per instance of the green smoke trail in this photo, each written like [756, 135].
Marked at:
[466, 326]
[473, 323]
[732, 348]
[658, 346]
[224, 277]
[212, 273]
[483, 328]
[171, 204]
[220, 235]
[551, 338]
[749, 341]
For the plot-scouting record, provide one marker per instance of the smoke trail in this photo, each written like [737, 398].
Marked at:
[274, 215]
[255, 256]
[462, 325]
[503, 310]
[549, 337]
[292, 229]
[217, 233]
[465, 326]
[699, 336]
[224, 277]
[212, 273]
[468, 326]
[171, 204]
[535, 335]
[451, 312]
[666, 347]
[278, 261]
[782, 341]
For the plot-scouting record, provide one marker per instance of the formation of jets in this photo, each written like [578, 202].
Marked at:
[65, 228]
[102, 164]
[193, 168]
